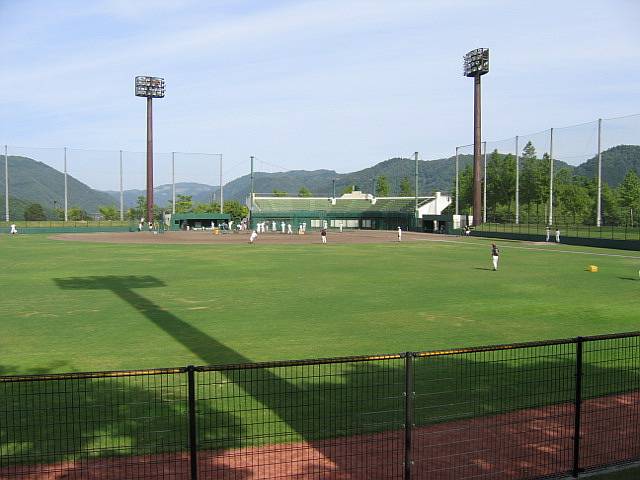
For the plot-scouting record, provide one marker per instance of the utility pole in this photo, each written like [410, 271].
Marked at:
[334, 188]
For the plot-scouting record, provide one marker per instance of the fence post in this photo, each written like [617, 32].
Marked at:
[193, 440]
[577, 408]
[408, 414]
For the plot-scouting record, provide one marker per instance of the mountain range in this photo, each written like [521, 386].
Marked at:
[35, 182]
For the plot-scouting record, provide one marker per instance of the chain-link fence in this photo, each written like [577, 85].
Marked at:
[518, 411]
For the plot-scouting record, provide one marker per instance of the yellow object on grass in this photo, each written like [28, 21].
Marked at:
[593, 268]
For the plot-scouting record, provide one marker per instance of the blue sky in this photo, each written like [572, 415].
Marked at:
[335, 84]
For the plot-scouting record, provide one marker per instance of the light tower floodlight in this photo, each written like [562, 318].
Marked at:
[150, 88]
[476, 64]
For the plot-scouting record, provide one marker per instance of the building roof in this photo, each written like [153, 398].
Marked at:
[338, 205]
[201, 216]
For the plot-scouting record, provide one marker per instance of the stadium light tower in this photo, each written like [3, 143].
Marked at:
[150, 88]
[476, 64]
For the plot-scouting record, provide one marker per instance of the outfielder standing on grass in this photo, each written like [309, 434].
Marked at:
[323, 235]
[253, 236]
[399, 234]
[495, 256]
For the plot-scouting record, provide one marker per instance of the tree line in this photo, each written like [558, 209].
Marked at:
[574, 196]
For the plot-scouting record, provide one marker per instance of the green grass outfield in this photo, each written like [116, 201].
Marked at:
[70, 306]
[274, 302]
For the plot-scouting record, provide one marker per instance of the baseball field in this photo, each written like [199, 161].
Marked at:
[89, 302]
[84, 305]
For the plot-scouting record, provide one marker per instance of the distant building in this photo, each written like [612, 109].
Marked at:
[351, 210]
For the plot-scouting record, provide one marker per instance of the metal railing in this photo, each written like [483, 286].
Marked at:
[518, 411]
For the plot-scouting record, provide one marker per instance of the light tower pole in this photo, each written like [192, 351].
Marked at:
[150, 88]
[476, 64]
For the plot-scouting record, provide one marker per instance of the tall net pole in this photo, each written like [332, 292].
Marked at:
[551, 178]
[6, 184]
[251, 194]
[121, 191]
[416, 154]
[66, 192]
[173, 183]
[599, 200]
[457, 182]
[221, 187]
[484, 183]
[517, 183]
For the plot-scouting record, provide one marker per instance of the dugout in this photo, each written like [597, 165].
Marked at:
[438, 224]
[199, 221]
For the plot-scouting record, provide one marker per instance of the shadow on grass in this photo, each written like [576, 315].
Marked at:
[337, 410]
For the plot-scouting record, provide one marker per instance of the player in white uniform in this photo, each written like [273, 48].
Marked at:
[399, 234]
[253, 236]
[13, 230]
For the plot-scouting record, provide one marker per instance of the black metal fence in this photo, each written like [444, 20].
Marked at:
[568, 228]
[520, 411]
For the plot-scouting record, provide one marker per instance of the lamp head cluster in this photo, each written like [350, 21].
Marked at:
[476, 62]
[150, 87]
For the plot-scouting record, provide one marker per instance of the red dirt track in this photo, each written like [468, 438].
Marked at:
[206, 237]
[523, 444]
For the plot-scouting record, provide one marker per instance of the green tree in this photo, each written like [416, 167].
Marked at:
[132, 214]
[572, 198]
[610, 204]
[184, 203]
[534, 179]
[77, 214]
[382, 186]
[279, 193]
[629, 191]
[348, 189]
[34, 212]
[465, 185]
[304, 192]
[236, 210]
[406, 190]
[501, 181]
[213, 207]
[109, 212]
